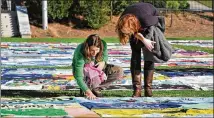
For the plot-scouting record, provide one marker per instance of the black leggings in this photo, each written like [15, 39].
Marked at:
[149, 65]
[136, 47]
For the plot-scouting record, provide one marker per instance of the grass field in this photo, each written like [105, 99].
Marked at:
[114, 93]
[206, 2]
[194, 48]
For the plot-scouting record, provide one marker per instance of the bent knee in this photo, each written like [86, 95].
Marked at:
[120, 72]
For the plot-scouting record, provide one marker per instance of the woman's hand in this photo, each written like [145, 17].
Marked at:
[90, 95]
[100, 65]
[148, 43]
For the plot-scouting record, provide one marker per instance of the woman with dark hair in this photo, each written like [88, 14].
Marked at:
[141, 26]
[90, 68]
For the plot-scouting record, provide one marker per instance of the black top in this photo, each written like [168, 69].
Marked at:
[145, 12]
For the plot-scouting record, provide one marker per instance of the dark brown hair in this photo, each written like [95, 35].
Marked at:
[93, 40]
[128, 23]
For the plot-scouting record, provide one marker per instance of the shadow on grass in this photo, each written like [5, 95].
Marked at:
[106, 93]
[42, 94]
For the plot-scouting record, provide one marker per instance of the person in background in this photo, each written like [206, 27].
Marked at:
[143, 28]
[90, 68]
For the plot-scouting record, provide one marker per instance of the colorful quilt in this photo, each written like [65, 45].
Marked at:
[65, 106]
[54, 55]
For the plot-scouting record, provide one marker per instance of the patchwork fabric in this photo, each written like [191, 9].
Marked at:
[65, 106]
[54, 55]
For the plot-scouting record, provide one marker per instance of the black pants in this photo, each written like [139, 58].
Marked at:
[136, 47]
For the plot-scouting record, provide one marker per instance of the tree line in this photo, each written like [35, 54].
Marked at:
[94, 13]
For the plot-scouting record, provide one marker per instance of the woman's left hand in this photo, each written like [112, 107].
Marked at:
[148, 43]
[100, 65]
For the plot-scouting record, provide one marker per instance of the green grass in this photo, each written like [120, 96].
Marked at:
[112, 93]
[35, 112]
[194, 48]
[207, 3]
[79, 40]
[191, 38]
[164, 93]
[55, 40]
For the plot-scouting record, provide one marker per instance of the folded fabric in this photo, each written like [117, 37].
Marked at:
[94, 75]
[162, 51]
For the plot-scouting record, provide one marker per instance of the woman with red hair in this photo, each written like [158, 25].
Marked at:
[141, 26]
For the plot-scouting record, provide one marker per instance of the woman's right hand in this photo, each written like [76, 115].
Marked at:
[90, 95]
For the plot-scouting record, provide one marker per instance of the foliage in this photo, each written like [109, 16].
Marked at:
[183, 4]
[95, 13]
[157, 3]
[175, 5]
[92, 13]
[160, 4]
[120, 5]
[59, 9]
[172, 5]
[76, 9]
[34, 8]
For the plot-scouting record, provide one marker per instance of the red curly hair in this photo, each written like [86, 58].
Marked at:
[126, 26]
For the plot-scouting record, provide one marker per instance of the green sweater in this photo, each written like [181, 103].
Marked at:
[78, 63]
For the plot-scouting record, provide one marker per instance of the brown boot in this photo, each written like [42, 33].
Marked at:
[148, 77]
[136, 82]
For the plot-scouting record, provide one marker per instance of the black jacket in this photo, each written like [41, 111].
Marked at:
[145, 12]
[162, 51]
[153, 28]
